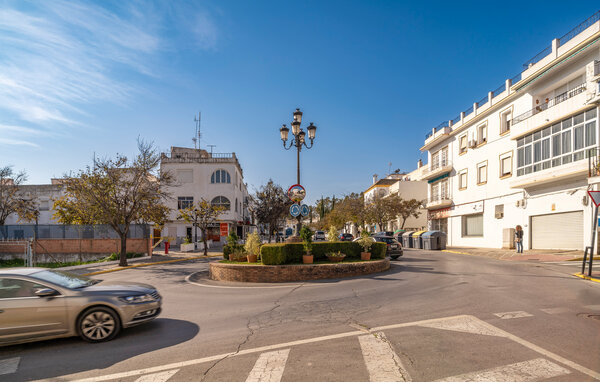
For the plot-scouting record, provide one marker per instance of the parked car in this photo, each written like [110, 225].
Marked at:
[345, 237]
[38, 304]
[394, 248]
[319, 235]
[384, 233]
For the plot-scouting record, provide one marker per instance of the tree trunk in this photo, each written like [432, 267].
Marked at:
[123, 258]
[204, 241]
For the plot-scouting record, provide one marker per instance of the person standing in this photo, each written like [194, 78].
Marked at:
[519, 238]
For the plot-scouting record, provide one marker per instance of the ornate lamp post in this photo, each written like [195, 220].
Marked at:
[298, 140]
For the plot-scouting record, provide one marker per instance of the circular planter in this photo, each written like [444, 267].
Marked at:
[297, 272]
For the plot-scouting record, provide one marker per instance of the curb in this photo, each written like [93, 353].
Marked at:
[91, 265]
[457, 252]
[149, 264]
[581, 258]
[584, 277]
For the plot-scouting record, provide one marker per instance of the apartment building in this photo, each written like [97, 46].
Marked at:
[44, 194]
[215, 177]
[524, 154]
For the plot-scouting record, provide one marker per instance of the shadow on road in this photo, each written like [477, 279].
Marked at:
[40, 359]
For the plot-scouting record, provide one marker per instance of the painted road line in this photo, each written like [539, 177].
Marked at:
[383, 364]
[9, 365]
[555, 310]
[463, 324]
[269, 367]
[534, 370]
[592, 307]
[157, 377]
[597, 280]
[509, 315]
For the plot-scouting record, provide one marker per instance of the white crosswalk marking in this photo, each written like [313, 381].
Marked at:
[509, 315]
[534, 370]
[269, 367]
[157, 377]
[9, 365]
[592, 307]
[383, 364]
[463, 324]
[555, 310]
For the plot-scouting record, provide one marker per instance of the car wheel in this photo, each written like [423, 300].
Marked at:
[98, 324]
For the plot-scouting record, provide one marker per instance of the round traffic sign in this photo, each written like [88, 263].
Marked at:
[304, 210]
[295, 210]
[296, 193]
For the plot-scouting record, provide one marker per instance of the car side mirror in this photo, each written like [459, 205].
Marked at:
[46, 292]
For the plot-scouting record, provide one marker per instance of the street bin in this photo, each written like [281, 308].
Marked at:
[416, 238]
[434, 240]
[407, 239]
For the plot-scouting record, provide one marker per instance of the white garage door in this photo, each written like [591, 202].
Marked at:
[557, 231]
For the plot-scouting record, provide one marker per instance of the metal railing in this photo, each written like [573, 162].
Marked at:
[552, 102]
[438, 198]
[456, 120]
[538, 57]
[516, 78]
[482, 101]
[437, 165]
[468, 111]
[499, 90]
[59, 231]
[593, 162]
[579, 28]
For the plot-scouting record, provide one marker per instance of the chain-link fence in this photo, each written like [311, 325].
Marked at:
[55, 231]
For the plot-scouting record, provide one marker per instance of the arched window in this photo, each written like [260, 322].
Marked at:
[220, 176]
[221, 201]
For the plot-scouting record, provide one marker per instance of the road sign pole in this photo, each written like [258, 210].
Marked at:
[594, 229]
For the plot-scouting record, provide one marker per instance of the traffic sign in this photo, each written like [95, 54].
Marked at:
[595, 196]
[296, 193]
[295, 210]
[304, 210]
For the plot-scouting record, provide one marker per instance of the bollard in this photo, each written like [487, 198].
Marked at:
[166, 247]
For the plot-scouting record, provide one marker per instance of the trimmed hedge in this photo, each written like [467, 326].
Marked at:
[290, 253]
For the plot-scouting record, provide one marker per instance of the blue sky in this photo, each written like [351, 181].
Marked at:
[78, 78]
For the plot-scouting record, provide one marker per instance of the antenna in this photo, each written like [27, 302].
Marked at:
[196, 138]
[211, 148]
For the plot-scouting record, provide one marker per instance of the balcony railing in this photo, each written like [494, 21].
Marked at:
[593, 162]
[538, 57]
[597, 68]
[438, 201]
[579, 28]
[553, 102]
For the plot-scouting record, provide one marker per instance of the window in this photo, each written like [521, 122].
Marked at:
[482, 134]
[220, 176]
[506, 165]
[472, 225]
[462, 179]
[439, 158]
[16, 288]
[462, 144]
[482, 173]
[185, 176]
[505, 121]
[564, 142]
[236, 205]
[184, 202]
[221, 201]
[439, 190]
[44, 205]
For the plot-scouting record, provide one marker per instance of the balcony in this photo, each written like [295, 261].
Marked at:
[550, 103]
[437, 169]
[438, 201]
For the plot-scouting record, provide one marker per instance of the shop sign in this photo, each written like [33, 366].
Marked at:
[467, 209]
[224, 229]
[439, 214]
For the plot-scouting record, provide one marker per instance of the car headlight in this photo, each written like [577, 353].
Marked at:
[137, 299]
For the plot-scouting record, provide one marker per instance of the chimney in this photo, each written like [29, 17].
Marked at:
[374, 178]
[419, 163]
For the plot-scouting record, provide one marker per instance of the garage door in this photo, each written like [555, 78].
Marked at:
[557, 231]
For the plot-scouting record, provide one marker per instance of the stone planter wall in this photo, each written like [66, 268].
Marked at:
[300, 272]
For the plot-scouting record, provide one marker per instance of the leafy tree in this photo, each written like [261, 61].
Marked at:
[203, 215]
[382, 209]
[332, 234]
[270, 205]
[117, 192]
[408, 208]
[12, 198]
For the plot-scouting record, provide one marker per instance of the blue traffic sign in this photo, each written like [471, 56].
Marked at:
[304, 210]
[295, 210]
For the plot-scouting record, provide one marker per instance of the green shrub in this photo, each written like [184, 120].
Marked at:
[291, 253]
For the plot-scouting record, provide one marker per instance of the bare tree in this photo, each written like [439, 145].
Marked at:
[202, 215]
[117, 192]
[12, 198]
[270, 205]
[408, 208]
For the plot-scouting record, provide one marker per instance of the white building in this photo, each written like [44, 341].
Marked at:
[216, 178]
[44, 194]
[522, 154]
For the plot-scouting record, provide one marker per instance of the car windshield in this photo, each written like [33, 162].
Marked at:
[65, 279]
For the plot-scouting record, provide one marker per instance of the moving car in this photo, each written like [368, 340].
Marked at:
[345, 237]
[38, 304]
[319, 235]
[384, 233]
[394, 248]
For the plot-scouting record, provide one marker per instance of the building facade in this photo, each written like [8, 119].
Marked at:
[523, 154]
[216, 178]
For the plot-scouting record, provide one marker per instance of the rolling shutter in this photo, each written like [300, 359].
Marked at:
[557, 231]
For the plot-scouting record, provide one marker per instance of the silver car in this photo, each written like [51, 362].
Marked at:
[38, 304]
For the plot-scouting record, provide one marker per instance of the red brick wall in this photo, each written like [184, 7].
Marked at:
[283, 273]
[76, 246]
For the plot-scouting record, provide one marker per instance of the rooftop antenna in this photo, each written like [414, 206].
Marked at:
[196, 138]
[211, 148]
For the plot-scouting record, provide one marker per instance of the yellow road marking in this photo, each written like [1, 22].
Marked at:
[586, 277]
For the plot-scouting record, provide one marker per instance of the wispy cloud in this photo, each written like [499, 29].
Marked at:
[59, 57]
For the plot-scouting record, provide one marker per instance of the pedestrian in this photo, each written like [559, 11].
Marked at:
[519, 238]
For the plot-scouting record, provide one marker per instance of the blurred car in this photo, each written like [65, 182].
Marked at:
[345, 237]
[319, 235]
[384, 233]
[38, 304]
[394, 248]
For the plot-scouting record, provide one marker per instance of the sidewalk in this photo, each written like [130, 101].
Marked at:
[545, 255]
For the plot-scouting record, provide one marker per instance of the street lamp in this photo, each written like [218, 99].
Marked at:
[298, 140]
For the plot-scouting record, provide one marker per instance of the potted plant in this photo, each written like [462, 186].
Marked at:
[252, 247]
[231, 246]
[186, 245]
[365, 242]
[335, 257]
[306, 235]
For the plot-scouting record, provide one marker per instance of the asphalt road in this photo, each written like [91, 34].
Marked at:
[432, 316]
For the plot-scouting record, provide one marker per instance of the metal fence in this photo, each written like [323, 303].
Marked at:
[551, 102]
[54, 231]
